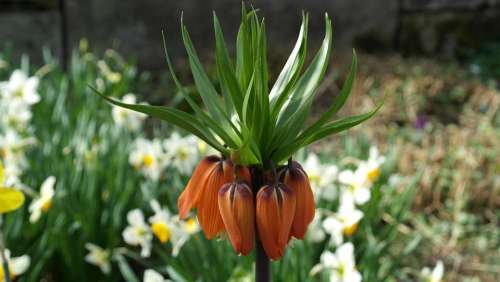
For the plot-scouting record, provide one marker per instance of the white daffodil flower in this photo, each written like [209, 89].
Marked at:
[138, 233]
[148, 157]
[99, 257]
[315, 232]
[151, 275]
[15, 114]
[343, 223]
[160, 222]
[341, 265]
[321, 176]
[373, 164]
[21, 88]
[434, 275]
[182, 152]
[17, 265]
[125, 118]
[13, 147]
[44, 202]
[356, 186]
[170, 228]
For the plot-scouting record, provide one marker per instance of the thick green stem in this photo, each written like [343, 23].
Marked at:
[262, 263]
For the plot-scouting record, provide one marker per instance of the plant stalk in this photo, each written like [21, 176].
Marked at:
[5, 263]
[262, 263]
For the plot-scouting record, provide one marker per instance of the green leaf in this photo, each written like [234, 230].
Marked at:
[179, 118]
[328, 129]
[291, 70]
[205, 118]
[339, 101]
[225, 70]
[125, 270]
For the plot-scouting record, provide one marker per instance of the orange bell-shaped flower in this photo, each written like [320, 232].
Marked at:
[294, 176]
[275, 213]
[237, 209]
[191, 195]
[208, 208]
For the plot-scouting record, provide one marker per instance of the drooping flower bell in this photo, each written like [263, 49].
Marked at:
[295, 177]
[202, 192]
[237, 209]
[275, 213]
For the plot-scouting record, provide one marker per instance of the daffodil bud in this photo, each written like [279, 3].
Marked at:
[294, 176]
[275, 213]
[190, 196]
[237, 209]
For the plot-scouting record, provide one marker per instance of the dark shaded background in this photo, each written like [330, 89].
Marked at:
[442, 27]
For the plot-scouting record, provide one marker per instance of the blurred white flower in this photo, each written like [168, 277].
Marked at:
[170, 228]
[126, 118]
[17, 265]
[321, 176]
[160, 222]
[15, 114]
[344, 222]
[204, 149]
[99, 257]
[44, 202]
[315, 232]
[148, 157]
[373, 164]
[434, 275]
[340, 265]
[138, 233]
[20, 88]
[357, 187]
[13, 147]
[151, 275]
[182, 151]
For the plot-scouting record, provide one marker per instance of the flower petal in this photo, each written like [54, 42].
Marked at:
[190, 196]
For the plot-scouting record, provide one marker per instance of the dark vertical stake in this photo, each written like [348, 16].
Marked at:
[64, 34]
[262, 263]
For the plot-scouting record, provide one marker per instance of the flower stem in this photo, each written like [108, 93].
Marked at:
[262, 263]
[5, 263]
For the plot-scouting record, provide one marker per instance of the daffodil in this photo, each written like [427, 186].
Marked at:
[151, 275]
[356, 186]
[182, 152]
[99, 257]
[20, 88]
[160, 222]
[17, 265]
[43, 203]
[315, 232]
[434, 275]
[148, 157]
[341, 265]
[10, 199]
[138, 233]
[343, 223]
[372, 166]
[128, 119]
[321, 176]
[15, 114]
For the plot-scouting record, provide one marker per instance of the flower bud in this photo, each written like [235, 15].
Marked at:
[208, 209]
[296, 178]
[237, 209]
[190, 196]
[275, 213]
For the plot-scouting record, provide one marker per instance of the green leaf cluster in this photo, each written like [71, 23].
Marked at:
[243, 118]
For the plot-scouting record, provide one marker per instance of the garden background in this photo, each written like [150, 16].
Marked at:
[436, 199]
